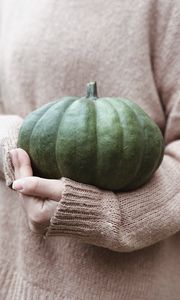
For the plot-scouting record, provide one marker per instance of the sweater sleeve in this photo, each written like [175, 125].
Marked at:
[125, 222]
[9, 128]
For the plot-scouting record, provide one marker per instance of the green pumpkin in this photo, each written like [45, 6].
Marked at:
[107, 142]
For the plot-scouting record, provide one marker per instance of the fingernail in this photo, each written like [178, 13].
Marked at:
[18, 184]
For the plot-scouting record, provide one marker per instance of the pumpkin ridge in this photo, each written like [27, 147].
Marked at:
[147, 175]
[57, 135]
[41, 120]
[38, 122]
[120, 123]
[118, 145]
[26, 147]
[143, 144]
[72, 147]
[89, 101]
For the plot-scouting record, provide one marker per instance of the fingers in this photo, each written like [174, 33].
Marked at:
[40, 187]
[39, 212]
[31, 185]
[32, 189]
[21, 163]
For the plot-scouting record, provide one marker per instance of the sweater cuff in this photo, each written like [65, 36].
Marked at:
[9, 143]
[77, 212]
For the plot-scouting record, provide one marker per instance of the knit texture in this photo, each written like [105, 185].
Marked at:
[119, 221]
[100, 244]
[10, 125]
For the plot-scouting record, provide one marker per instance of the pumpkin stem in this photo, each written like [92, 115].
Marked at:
[92, 90]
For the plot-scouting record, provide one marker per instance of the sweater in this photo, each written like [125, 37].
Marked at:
[99, 244]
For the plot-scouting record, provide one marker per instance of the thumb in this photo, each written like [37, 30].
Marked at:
[21, 162]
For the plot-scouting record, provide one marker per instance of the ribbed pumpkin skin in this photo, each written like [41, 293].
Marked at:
[107, 142]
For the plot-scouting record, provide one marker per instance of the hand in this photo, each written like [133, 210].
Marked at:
[39, 196]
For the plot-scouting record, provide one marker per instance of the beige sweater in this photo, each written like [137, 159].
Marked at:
[100, 245]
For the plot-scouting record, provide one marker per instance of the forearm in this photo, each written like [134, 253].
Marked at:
[123, 222]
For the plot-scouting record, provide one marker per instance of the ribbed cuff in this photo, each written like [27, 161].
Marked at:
[77, 212]
[9, 143]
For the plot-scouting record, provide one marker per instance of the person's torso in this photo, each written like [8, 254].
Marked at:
[52, 49]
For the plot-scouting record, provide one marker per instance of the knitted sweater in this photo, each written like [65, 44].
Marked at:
[99, 244]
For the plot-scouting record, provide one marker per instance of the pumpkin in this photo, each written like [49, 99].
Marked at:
[107, 142]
